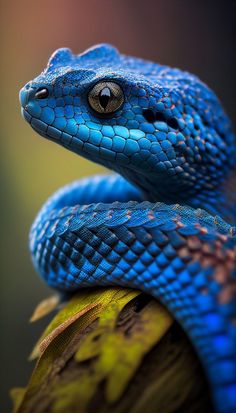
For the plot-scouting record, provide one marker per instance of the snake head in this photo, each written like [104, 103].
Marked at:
[161, 128]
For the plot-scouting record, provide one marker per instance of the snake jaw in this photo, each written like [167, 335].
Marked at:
[106, 158]
[149, 179]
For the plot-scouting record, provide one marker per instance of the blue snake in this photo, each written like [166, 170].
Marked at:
[163, 222]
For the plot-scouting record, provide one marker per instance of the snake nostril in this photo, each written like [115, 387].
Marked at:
[42, 93]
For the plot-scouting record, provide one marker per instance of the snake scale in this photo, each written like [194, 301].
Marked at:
[163, 222]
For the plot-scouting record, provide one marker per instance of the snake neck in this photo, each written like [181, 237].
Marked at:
[218, 199]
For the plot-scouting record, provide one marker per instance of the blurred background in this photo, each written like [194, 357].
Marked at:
[198, 36]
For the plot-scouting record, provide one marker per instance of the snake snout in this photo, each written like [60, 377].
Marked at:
[31, 96]
[29, 93]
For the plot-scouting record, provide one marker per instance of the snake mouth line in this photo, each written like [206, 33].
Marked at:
[71, 142]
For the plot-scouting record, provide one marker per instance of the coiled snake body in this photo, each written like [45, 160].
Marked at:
[164, 222]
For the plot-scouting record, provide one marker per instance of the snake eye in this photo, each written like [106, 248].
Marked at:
[42, 93]
[106, 97]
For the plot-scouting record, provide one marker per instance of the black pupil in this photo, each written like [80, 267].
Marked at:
[104, 97]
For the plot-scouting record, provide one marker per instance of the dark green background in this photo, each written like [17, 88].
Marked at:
[195, 35]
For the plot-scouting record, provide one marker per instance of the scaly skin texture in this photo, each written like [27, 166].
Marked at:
[164, 224]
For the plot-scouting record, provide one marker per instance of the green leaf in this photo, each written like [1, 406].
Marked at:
[17, 395]
[96, 352]
[119, 354]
